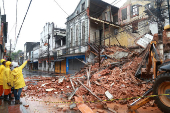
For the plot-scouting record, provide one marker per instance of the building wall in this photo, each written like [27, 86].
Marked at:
[48, 29]
[125, 35]
[77, 19]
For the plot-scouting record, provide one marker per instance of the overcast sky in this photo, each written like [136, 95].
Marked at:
[40, 12]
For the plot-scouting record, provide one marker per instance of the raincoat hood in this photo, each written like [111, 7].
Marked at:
[14, 65]
[15, 71]
[2, 60]
[8, 64]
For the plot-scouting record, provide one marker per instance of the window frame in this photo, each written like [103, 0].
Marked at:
[83, 32]
[123, 17]
[83, 6]
[134, 10]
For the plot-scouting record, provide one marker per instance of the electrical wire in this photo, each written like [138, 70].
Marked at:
[117, 2]
[60, 7]
[3, 6]
[23, 22]
[113, 1]
[16, 18]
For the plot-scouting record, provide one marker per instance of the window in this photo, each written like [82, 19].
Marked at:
[40, 64]
[83, 7]
[106, 16]
[44, 64]
[77, 35]
[83, 33]
[124, 14]
[115, 19]
[71, 41]
[134, 27]
[135, 10]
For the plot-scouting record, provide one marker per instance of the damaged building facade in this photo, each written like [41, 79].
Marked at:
[133, 21]
[57, 43]
[84, 28]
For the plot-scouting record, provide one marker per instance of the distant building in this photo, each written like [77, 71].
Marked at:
[28, 48]
[57, 43]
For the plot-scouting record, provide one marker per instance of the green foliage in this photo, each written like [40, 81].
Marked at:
[14, 55]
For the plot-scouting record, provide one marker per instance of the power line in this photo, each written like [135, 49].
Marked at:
[3, 6]
[117, 2]
[60, 7]
[16, 18]
[113, 1]
[23, 22]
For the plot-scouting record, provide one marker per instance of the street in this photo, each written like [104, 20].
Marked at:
[34, 104]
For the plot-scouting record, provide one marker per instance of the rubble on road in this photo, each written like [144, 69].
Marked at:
[114, 79]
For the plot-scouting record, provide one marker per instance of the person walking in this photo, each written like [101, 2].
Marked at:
[7, 81]
[2, 67]
[19, 82]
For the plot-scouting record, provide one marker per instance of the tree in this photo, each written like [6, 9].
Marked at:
[15, 55]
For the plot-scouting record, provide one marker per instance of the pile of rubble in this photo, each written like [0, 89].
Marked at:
[114, 79]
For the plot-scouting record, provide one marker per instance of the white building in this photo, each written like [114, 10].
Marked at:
[57, 42]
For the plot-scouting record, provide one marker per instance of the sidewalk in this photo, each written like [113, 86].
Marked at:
[10, 107]
[46, 72]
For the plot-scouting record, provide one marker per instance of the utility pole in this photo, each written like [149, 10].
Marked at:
[10, 50]
[48, 53]
[168, 11]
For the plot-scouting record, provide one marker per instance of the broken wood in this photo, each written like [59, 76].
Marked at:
[89, 90]
[69, 98]
[72, 84]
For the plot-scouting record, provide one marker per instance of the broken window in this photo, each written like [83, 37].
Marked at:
[83, 33]
[134, 27]
[124, 14]
[77, 35]
[83, 7]
[71, 41]
[135, 10]
[115, 19]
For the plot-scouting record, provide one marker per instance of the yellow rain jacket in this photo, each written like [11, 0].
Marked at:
[7, 77]
[2, 67]
[18, 76]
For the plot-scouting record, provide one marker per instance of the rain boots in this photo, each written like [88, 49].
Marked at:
[1, 97]
[6, 98]
[18, 102]
[10, 97]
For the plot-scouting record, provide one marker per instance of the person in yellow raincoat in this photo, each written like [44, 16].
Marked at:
[7, 81]
[2, 67]
[19, 82]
